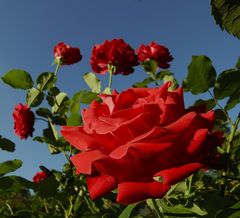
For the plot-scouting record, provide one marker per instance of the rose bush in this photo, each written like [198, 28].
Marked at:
[66, 54]
[156, 52]
[116, 53]
[131, 139]
[23, 121]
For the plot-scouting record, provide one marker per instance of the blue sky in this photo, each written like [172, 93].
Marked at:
[30, 29]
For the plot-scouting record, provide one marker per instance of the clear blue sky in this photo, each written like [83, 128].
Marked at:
[30, 29]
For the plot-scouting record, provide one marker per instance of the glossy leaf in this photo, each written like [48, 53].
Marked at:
[227, 15]
[60, 98]
[74, 120]
[143, 84]
[93, 82]
[201, 75]
[9, 166]
[228, 82]
[85, 97]
[18, 79]
[6, 144]
[43, 112]
[34, 97]
[14, 183]
[126, 213]
[46, 80]
[233, 101]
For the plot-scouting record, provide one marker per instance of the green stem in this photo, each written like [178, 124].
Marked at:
[157, 210]
[110, 79]
[57, 68]
[232, 134]
[45, 206]
[224, 111]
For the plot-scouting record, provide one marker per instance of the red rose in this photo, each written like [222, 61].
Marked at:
[130, 138]
[39, 176]
[156, 52]
[66, 54]
[23, 121]
[115, 52]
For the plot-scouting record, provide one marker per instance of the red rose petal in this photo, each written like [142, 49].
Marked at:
[131, 192]
[100, 185]
[174, 175]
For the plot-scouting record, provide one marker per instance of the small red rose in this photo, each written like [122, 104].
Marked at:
[39, 176]
[116, 53]
[132, 138]
[23, 121]
[156, 52]
[66, 54]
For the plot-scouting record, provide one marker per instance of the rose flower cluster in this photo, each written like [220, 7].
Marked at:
[140, 141]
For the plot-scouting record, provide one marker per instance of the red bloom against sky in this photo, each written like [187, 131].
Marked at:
[67, 54]
[115, 52]
[23, 121]
[142, 133]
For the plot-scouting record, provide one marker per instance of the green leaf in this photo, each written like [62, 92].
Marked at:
[53, 91]
[163, 73]
[54, 131]
[228, 82]
[6, 144]
[238, 63]
[126, 213]
[9, 166]
[85, 97]
[46, 80]
[74, 120]
[107, 91]
[93, 82]
[150, 66]
[233, 101]
[14, 183]
[59, 100]
[43, 112]
[47, 187]
[34, 97]
[210, 104]
[227, 15]
[170, 78]
[18, 79]
[143, 84]
[201, 75]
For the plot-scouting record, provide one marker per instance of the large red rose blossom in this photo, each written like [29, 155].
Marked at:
[130, 139]
[156, 52]
[115, 52]
[39, 176]
[23, 121]
[67, 54]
